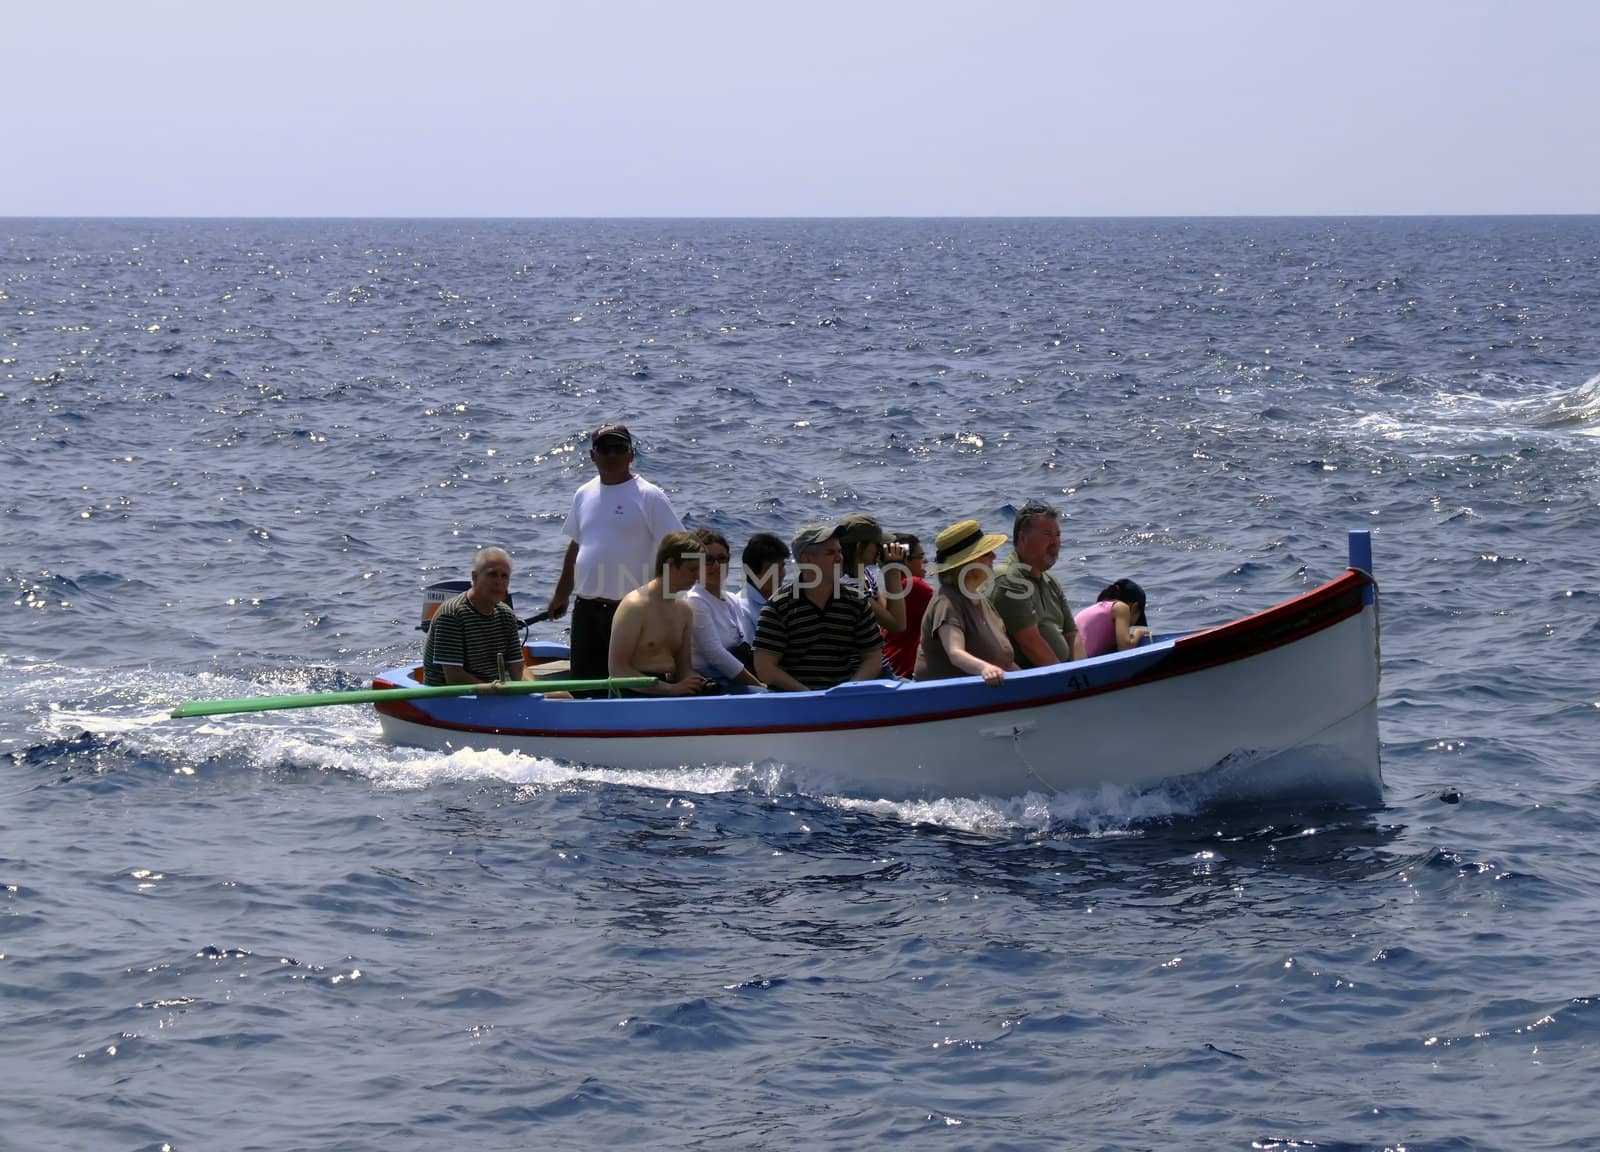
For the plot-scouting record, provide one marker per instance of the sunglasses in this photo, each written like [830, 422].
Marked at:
[612, 447]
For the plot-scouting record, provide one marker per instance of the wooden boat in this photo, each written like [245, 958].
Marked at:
[1281, 704]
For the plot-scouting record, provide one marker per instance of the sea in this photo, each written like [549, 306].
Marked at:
[235, 452]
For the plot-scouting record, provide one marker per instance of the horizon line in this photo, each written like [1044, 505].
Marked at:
[875, 216]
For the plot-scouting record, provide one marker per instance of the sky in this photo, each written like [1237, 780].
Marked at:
[697, 108]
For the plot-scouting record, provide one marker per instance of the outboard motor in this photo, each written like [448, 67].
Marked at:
[434, 596]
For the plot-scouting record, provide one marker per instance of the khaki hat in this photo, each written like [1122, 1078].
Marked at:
[860, 528]
[812, 535]
[961, 544]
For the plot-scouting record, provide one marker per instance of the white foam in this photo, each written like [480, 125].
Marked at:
[133, 708]
[1104, 811]
[1462, 419]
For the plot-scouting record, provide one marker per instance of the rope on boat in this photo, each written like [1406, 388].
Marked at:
[1016, 742]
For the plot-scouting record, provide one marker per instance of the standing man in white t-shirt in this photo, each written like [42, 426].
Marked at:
[616, 523]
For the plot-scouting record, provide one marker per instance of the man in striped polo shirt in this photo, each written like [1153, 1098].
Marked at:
[817, 632]
[470, 633]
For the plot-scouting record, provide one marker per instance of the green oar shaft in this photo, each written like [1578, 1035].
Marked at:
[376, 695]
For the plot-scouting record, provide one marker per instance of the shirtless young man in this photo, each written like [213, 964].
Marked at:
[652, 632]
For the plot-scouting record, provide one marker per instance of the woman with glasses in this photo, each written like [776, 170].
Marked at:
[721, 649]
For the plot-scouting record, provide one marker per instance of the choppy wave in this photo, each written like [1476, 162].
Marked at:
[241, 448]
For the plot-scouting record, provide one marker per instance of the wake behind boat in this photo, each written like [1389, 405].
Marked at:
[1278, 705]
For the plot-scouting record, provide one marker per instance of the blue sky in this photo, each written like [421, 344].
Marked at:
[822, 108]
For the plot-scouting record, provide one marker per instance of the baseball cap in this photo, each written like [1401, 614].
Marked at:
[813, 534]
[612, 432]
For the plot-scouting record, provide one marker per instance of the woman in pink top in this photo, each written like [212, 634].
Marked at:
[1116, 621]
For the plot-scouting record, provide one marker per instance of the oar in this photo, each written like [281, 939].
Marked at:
[374, 695]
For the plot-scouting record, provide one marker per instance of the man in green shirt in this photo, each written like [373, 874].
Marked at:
[1030, 600]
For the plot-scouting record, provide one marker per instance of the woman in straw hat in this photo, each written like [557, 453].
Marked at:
[962, 634]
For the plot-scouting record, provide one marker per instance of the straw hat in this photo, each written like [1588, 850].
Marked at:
[962, 544]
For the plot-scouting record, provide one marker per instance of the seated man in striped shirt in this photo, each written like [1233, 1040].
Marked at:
[817, 631]
[471, 633]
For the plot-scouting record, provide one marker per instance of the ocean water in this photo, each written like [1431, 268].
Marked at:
[234, 452]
